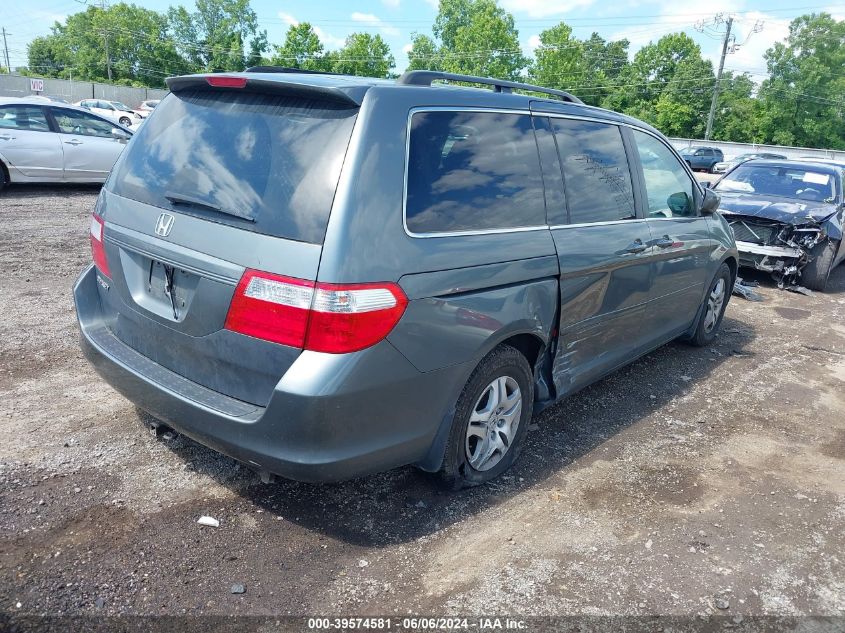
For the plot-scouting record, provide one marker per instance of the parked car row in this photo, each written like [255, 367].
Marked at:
[47, 141]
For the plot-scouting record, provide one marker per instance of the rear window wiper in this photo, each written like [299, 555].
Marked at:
[180, 199]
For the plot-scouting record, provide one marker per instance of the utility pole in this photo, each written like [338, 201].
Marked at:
[6, 49]
[106, 39]
[709, 130]
[108, 59]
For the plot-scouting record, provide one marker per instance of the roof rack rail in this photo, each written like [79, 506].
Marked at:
[426, 77]
[284, 69]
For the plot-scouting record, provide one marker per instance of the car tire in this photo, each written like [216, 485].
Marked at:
[125, 121]
[816, 274]
[713, 309]
[3, 179]
[492, 414]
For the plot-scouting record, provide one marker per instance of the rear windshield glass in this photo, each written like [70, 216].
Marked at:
[263, 163]
[772, 180]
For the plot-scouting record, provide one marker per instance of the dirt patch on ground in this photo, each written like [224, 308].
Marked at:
[691, 478]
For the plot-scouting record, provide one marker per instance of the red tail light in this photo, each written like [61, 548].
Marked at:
[332, 318]
[223, 81]
[98, 249]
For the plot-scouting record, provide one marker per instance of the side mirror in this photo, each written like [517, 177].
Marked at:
[119, 135]
[710, 202]
[679, 203]
[706, 184]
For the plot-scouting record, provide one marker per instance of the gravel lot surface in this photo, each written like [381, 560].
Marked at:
[695, 481]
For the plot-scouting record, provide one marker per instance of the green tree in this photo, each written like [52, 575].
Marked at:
[668, 84]
[139, 50]
[739, 114]
[214, 36]
[424, 54]
[586, 68]
[804, 96]
[47, 55]
[363, 54]
[473, 37]
[302, 49]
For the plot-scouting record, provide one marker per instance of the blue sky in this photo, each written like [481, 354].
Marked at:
[638, 20]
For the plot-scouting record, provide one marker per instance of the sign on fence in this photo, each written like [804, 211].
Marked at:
[36, 85]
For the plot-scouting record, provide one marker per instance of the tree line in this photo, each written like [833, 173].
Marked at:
[667, 83]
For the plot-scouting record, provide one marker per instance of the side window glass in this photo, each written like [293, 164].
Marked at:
[24, 118]
[74, 122]
[471, 171]
[669, 188]
[556, 212]
[596, 176]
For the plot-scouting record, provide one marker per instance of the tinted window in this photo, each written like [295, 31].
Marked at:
[772, 180]
[275, 160]
[669, 188]
[595, 171]
[75, 122]
[556, 212]
[24, 118]
[472, 171]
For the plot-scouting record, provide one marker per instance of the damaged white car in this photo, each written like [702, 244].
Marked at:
[787, 218]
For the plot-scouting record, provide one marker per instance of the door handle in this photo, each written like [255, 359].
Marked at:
[73, 142]
[634, 247]
[665, 242]
[6, 137]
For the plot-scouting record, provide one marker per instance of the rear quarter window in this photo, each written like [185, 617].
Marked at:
[472, 171]
[271, 162]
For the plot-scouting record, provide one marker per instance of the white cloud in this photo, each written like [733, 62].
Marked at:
[675, 17]
[330, 41]
[532, 44]
[544, 8]
[434, 4]
[836, 11]
[407, 48]
[288, 19]
[749, 56]
[374, 21]
[391, 4]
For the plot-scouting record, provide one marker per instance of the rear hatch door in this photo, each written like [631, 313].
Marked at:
[217, 181]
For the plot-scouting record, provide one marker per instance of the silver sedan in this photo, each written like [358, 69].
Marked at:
[44, 141]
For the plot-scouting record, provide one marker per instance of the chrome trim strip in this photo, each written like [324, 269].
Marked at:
[605, 223]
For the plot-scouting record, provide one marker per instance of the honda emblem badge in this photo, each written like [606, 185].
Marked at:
[164, 224]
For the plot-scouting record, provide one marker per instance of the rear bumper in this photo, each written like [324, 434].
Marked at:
[330, 418]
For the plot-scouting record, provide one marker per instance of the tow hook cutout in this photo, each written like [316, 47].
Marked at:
[162, 432]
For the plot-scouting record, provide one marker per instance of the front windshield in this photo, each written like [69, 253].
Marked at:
[783, 181]
[119, 105]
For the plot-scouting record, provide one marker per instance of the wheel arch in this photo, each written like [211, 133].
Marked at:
[5, 169]
[528, 343]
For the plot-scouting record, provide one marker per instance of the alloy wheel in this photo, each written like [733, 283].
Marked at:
[715, 301]
[493, 423]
